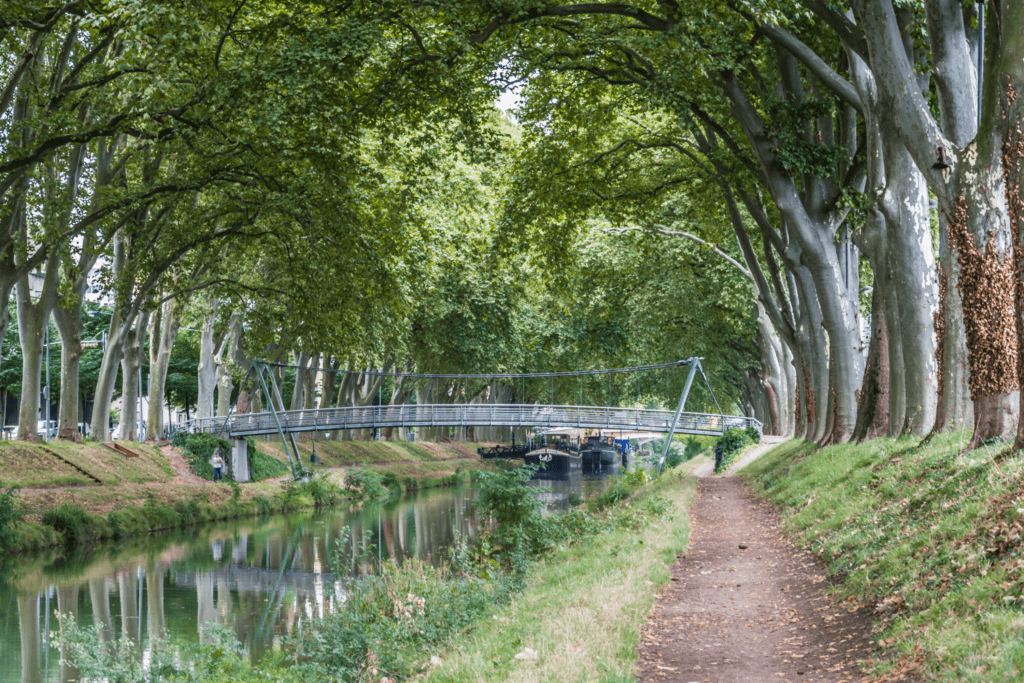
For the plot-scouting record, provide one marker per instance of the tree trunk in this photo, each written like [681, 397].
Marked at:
[954, 409]
[226, 367]
[1009, 78]
[99, 425]
[33, 320]
[913, 285]
[873, 411]
[969, 186]
[131, 365]
[839, 315]
[309, 393]
[207, 370]
[163, 344]
[299, 389]
[69, 327]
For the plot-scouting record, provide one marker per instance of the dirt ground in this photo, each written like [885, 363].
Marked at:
[744, 604]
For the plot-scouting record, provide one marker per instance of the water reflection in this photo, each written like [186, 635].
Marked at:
[259, 579]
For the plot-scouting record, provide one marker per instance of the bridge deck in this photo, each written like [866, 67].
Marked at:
[451, 415]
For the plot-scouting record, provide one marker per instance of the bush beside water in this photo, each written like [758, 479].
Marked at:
[390, 625]
[8, 518]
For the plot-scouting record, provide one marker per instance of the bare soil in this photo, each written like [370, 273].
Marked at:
[744, 604]
[183, 474]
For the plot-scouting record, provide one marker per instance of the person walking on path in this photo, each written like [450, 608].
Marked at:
[218, 464]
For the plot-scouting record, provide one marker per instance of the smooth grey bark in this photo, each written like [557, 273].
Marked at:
[131, 364]
[161, 345]
[309, 393]
[903, 260]
[99, 425]
[33, 318]
[207, 369]
[815, 234]
[970, 189]
[913, 285]
[68, 321]
[228, 363]
[301, 360]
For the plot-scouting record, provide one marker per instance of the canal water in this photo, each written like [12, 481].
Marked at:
[257, 577]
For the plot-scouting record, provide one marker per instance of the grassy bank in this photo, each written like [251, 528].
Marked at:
[71, 517]
[79, 493]
[579, 617]
[929, 539]
[573, 587]
[34, 465]
[350, 453]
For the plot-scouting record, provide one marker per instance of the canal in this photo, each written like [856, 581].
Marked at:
[257, 577]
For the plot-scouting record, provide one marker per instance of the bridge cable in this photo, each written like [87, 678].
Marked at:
[711, 390]
[506, 375]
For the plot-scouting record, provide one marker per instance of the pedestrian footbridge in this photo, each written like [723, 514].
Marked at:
[540, 417]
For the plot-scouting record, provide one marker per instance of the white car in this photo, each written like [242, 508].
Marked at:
[41, 429]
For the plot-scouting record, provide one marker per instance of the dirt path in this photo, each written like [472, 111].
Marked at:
[745, 605]
[180, 467]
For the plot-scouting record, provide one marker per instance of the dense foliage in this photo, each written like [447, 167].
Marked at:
[197, 449]
[8, 518]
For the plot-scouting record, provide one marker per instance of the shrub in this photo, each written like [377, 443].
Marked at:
[391, 482]
[731, 443]
[323, 491]
[753, 435]
[520, 530]
[365, 483]
[390, 624]
[621, 488]
[675, 457]
[73, 522]
[291, 498]
[694, 447]
[197, 449]
[263, 466]
[8, 518]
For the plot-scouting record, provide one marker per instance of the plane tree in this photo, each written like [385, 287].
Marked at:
[782, 102]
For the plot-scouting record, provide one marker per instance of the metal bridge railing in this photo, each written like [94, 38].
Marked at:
[485, 414]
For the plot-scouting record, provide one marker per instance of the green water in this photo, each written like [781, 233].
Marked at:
[258, 577]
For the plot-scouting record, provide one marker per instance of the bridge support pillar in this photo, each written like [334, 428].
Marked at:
[240, 461]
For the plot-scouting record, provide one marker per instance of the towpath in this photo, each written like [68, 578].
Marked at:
[744, 604]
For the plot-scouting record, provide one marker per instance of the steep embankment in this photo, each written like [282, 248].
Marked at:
[73, 492]
[420, 460]
[926, 538]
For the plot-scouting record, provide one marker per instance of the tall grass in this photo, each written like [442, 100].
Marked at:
[578, 617]
[928, 539]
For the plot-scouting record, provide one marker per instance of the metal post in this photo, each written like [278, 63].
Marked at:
[694, 364]
[273, 412]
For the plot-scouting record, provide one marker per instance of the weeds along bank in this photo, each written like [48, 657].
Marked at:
[578, 617]
[130, 497]
[930, 540]
[499, 604]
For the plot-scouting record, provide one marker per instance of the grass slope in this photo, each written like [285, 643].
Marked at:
[348, 453]
[582, 610]
[928, 538]
[30, 465]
